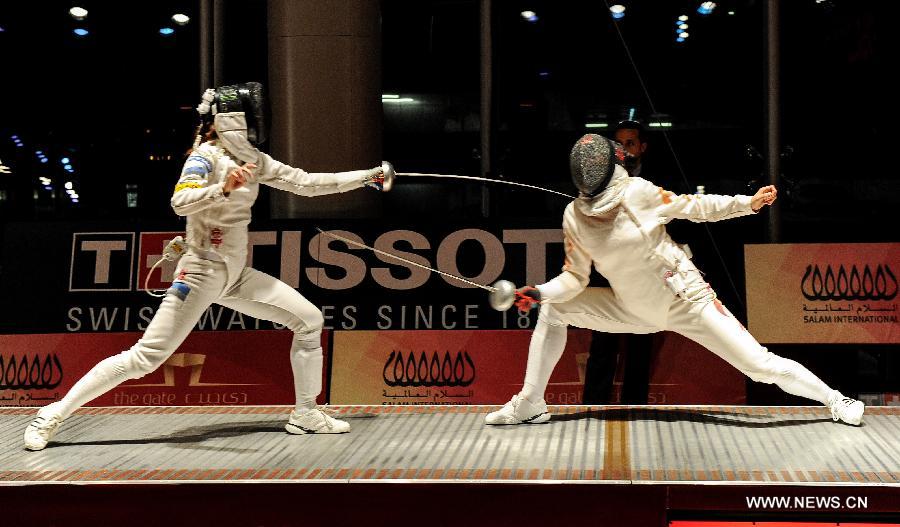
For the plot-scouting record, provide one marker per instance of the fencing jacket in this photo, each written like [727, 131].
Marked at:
[622, 233]
[216, 223]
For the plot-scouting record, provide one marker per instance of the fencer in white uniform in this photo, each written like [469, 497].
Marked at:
[218, 185]
[618, 224]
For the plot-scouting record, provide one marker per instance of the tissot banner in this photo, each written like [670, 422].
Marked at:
[90, 277]
[823, 293]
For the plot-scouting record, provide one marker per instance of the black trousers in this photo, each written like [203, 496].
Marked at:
[602, 363]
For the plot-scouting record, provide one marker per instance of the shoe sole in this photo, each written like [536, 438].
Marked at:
[291, 428]
[534, 420]
[538, 419]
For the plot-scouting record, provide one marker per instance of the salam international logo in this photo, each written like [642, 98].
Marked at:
[880, 284]
[30, 372]
[412, 371]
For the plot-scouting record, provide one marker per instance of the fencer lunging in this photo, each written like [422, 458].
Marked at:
[618, 224]
[218, 185]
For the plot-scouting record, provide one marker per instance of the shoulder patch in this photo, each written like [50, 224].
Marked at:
[198, 159]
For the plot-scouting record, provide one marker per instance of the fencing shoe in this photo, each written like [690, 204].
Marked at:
[315, 421]
[42, 428]
[519, 410]
[846, 409]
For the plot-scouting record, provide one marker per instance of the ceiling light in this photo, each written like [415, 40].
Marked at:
[78, 13]
[706, 8]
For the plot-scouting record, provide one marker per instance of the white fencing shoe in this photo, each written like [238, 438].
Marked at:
[847, 410]
[315, 421]
[519, 410]
[42, 428]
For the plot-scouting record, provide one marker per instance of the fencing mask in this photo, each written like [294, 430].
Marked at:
[249, 98]
[592, 161]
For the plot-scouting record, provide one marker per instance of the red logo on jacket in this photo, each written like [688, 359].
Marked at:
[215, 237]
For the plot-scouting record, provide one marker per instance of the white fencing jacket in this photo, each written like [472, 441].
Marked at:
[622, 233]
[217, 224]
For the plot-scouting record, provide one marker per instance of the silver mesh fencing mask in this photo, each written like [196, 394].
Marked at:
[249, 98]
[592, 162]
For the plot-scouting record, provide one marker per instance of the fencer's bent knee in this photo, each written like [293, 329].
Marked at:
[313, 323]
[307, 323]
[308, 333]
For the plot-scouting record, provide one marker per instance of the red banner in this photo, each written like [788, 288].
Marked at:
[383, 367]
[210, 368]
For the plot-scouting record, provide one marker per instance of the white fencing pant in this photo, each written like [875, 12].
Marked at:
[254, 293]
[709, 324]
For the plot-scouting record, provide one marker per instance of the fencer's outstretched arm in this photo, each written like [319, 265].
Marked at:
[193, 192]
[284, 177]
[576, 270]
[232, 133]
[695, 207]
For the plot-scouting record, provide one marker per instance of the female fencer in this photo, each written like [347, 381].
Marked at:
[617, 223]
[218, 185]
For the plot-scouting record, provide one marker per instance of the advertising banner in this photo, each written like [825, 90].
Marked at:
[823, 293]
[90, 278]
[488, 367]
[447, 367]
[210, 368]
[371, 367]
